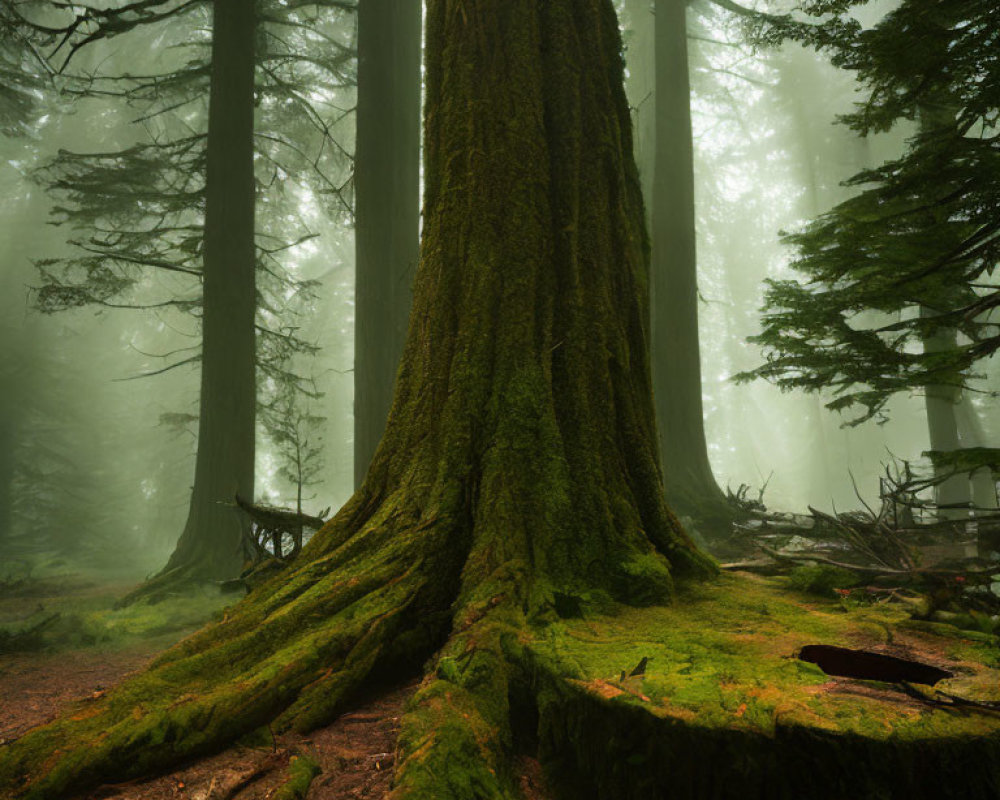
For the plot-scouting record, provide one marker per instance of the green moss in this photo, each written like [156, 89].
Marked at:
[88, 617]
[519, 466]
[302, 770]
[724, 709]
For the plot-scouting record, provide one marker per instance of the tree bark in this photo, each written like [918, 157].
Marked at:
[953, 494]
[640, 87]
[387, 208]
[8, 433]
[691, 488]
[518, 479]
[209, 547]
[971, 433]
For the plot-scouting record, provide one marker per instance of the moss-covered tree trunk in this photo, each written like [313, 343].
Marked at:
[518, 479]
[210, 545]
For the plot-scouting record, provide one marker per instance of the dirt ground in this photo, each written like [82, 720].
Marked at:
[355, 753]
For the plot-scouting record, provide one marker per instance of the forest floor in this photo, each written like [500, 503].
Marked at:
[90, 647]
[355, 753]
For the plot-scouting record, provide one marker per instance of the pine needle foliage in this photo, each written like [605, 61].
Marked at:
[909, 260]
[133, 213]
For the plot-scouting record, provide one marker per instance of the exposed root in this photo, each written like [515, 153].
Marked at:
[28, 636]
[505, 682]
[166, 584]
[456, 741]
[301, 772]
[294, 652]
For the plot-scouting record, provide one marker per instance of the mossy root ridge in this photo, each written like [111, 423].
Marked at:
[171, 582]
[302, 770]
[729, 714]
[291, 654]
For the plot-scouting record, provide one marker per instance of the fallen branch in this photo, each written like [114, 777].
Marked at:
[861, 569]
[759, 566]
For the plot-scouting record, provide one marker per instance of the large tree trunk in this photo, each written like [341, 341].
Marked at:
[691, 487]
[517, 487]
[518, 478]
[387, 208]
[210, 546]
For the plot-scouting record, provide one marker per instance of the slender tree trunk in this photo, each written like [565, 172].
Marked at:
[953, 494]
[676, 353]
[640, 87]
[209, 547]
[971, 434]
[387, 205]
[7, 438]
[20, 361]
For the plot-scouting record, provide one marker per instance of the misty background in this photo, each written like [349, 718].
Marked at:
[98, 409]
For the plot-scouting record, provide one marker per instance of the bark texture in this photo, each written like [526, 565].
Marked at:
[7, 439]
[640, 88]
[971, 433]
[518, 479]
[210, 545]
[387, 208]
[690, 485]
[953, 494]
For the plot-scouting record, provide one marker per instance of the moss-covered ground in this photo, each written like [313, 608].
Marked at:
[78, 609]
[725, 709]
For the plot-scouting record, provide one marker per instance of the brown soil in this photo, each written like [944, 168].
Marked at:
[37, 686]
[355, 754]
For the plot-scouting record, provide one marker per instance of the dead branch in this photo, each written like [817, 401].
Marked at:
[916, 573]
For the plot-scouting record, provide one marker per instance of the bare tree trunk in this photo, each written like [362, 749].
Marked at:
[209, 547]
[8, 433]
[952, 494]
[675, 347]
[387, 206]
[970, 431]
[640, 87]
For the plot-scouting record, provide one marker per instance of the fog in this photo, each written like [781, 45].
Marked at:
[101, 431]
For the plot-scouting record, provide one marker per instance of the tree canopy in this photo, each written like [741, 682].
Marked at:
[908, 263]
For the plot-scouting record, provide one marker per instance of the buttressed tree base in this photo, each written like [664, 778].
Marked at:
[512, 525]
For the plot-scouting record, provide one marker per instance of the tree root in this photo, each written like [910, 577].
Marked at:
[456, 741]
[169, 583]
[291, 654]
[301, 772]
[507, 682]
